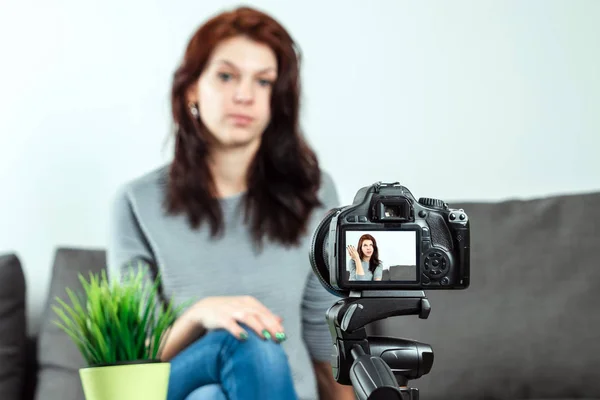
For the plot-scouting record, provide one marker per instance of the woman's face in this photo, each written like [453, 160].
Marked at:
[234, 91]
[367, 248]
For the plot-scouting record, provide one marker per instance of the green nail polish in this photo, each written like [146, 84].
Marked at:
[280, 336]
[266, 334]
[243, 336]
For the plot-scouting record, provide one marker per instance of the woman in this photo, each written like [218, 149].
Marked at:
[365, 264]
[228, 222]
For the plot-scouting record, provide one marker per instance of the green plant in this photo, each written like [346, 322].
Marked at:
[112, 321]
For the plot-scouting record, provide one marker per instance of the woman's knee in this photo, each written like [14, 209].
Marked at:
[252, 351]
[265, 353]
[237, 365]
[207, 392]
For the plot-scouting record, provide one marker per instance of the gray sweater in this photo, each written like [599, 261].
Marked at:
[368, 275]
[193, 265]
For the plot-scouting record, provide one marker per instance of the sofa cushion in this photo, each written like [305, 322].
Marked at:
[528, 326]
[13, 328]
[59, 358]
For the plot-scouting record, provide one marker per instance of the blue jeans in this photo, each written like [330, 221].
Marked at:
[218, 367]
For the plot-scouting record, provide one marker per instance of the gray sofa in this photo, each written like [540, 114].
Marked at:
[527, 328]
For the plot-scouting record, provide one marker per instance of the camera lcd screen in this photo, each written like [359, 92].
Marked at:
[387, 256]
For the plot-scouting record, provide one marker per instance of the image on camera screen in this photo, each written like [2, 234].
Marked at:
[384, 256]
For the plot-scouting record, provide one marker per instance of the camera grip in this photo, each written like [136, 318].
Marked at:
[440, 234]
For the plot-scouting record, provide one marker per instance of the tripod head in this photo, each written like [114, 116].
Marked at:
[378, 368]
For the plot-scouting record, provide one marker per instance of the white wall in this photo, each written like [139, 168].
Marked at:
[455, 99]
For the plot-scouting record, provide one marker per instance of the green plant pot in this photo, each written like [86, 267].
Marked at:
[133, 381]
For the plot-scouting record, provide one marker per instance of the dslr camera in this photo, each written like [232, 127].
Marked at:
[409, 244]
[379, 255]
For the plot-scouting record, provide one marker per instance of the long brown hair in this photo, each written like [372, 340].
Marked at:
[374, 261]
[284, 177]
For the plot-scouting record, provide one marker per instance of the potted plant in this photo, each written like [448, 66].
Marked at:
[119, 329]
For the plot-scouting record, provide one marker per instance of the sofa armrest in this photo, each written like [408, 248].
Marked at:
[13, 327]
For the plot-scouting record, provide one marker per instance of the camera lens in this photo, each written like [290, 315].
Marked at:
[319, 254]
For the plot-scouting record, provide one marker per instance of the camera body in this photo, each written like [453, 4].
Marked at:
[407, 244]
[380, 254]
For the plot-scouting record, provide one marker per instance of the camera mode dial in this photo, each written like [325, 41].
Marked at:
[433, 203]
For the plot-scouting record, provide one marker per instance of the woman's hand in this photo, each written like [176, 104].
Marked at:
[354, 254]
[228, 311]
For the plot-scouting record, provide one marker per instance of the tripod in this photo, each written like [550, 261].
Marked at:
[378, 367]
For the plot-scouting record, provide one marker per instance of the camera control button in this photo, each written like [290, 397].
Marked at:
[426, 244]
[362, 218]
[351, 218]
[445, 280]
[452, 217]
[433, 203]
[425, 232]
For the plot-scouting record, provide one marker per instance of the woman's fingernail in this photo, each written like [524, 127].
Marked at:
[280, 336]
[243, 336]
[266, 334]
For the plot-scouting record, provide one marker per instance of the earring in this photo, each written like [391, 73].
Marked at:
[194, 109]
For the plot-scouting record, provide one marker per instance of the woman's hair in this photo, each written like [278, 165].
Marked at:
[284, 178]
[374, 261]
